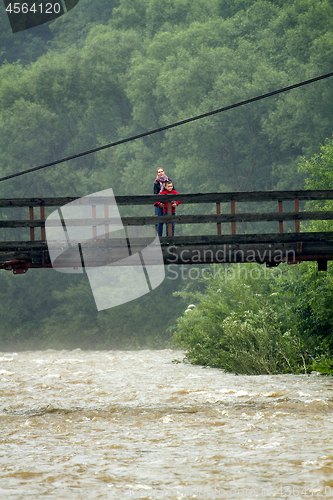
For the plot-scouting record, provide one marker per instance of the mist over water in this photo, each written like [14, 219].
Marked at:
[113, 425]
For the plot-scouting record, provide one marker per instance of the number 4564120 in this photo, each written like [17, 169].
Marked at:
[18, 8]
[306, 491]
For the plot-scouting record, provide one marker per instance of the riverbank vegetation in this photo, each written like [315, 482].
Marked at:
[111, 69]
[254, 320]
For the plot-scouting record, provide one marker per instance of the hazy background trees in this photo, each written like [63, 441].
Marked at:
[108, 70]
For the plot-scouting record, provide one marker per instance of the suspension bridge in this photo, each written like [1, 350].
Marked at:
[229, 228]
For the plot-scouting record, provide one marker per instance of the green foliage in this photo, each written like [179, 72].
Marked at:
[256, 344]
[241, 324]
[72, 29]
[319, 171]
[61, 314]
[25, 46]
[319, 168]
[314, 314]
[149, 63]
[110, 69]
[252, 320]
[323, 364]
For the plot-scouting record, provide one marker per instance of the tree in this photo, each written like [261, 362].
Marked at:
[242, 323]
[319, 171]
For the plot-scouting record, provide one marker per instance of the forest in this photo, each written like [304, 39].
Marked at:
[110, 69]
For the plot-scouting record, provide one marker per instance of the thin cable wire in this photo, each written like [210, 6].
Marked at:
[167, 127]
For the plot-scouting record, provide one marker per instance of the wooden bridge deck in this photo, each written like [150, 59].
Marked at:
[269, 248]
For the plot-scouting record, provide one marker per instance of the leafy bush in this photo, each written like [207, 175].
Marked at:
[256, 344]
[261, 322]
[249, 343]
[323, 364]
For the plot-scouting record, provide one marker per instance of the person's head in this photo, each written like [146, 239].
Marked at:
[160, 172]
[168, 185]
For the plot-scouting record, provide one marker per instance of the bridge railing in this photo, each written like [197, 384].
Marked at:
[37, 219]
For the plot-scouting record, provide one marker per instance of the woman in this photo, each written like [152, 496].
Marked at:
[158, 188]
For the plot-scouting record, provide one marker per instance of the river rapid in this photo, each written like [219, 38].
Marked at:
[113, 424]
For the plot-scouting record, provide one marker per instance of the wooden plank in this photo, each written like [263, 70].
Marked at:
[225, 218]
[180, 219]
[22, 223]
[196, 254]
[22, 245]
[247, 238]
[227, 197]
[246, 253]
[239, 196]
[285, 238]
[36, 202]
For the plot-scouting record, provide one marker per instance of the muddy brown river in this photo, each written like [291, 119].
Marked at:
[114, 425]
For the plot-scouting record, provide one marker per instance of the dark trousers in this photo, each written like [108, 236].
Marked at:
[167, 226]
[159, 212]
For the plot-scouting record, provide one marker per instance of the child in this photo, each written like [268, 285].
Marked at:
[169, 190]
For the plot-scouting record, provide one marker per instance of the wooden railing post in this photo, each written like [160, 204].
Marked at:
[107, 227]
[42, 216]
[32, 229]
[94, 217]
[233, 211]
[218, 211]
[280, 222]
[297, 210]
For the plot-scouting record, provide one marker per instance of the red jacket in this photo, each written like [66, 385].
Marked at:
[165, 205]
